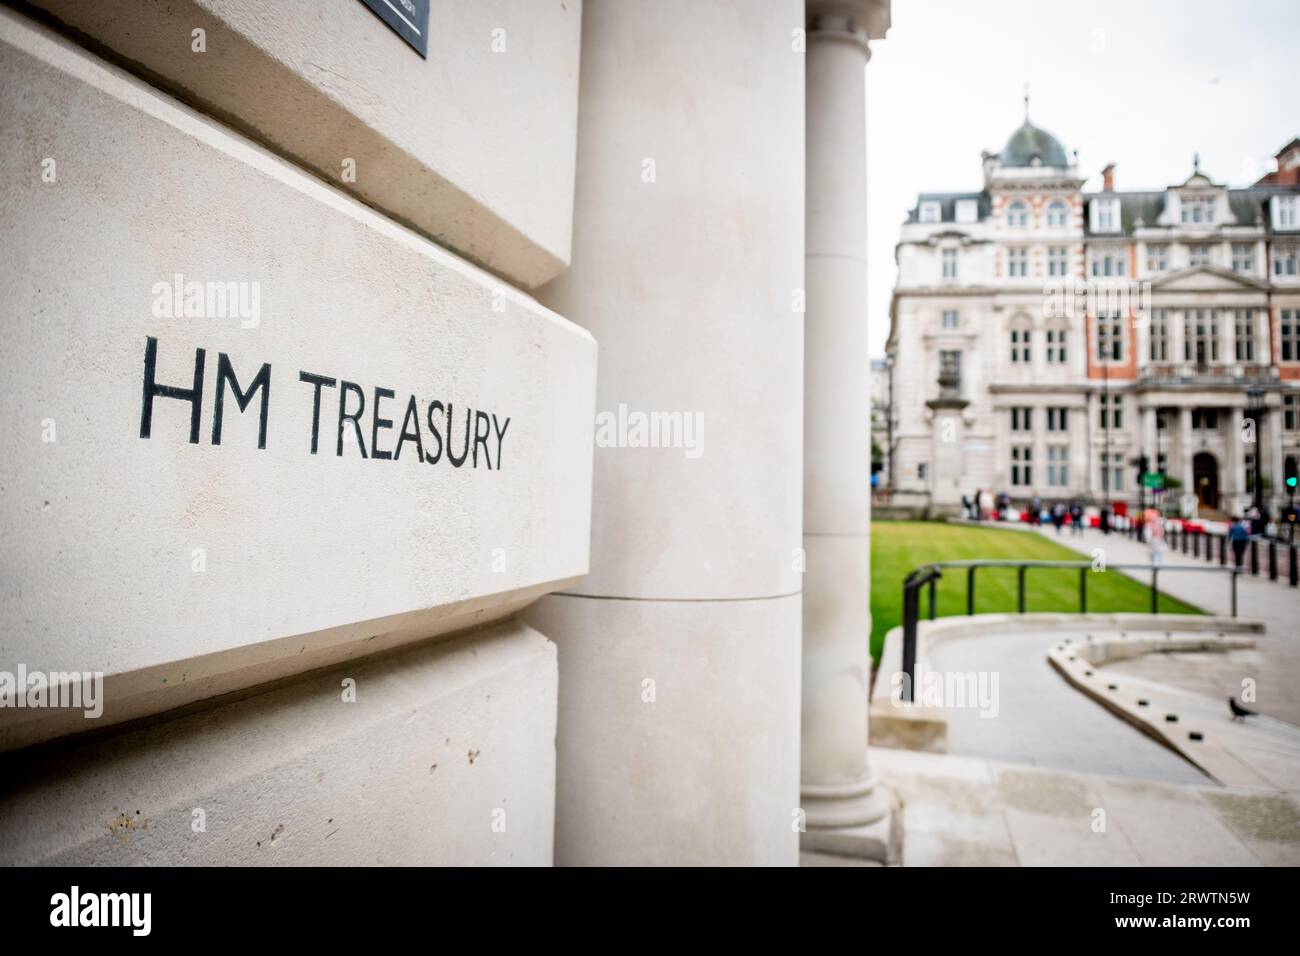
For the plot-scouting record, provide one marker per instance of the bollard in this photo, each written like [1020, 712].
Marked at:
[1272, 560]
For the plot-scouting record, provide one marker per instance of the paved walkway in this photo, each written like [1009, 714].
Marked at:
[1043, 721]
[1275, 664]
[961, 811]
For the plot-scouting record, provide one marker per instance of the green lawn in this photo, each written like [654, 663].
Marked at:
[897, 547]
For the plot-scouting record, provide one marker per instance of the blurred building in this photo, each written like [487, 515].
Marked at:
[1080, 333]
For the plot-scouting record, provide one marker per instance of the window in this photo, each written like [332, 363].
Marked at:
[1198, 254]
[1201, 336]
[1291, 412]
[1159, 344]
[1284, 259]
[1018, 262]
[950, 365]
[1109, 262]
[1022, 419]
[950, 318]
[1243, 328]
[1105, 214]
[1017, 215]
[1205, 419]
[967, 210]
[1288, 333]
[1020, 345]
[1055, 338]
[920, 470]
[1112, 410]
[1197, 211]
[1243, 257]
[929, 212]
[1286, 212]
[950, 263]
[1110, 338]
[1158, 257]
[1058, 419]
[1162, 463]
[1022, 465]
[1058, 260]
[1058, 469]
[1057, 214]
[1112, 471]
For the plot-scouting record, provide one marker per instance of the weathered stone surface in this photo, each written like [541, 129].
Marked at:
[194, 561]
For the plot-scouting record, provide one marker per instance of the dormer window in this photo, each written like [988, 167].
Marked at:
[1286, 212]
[930, 212]
[1197, 212]
[1105, 214]
[1018, 215]
[967, 210]
[1057, 214]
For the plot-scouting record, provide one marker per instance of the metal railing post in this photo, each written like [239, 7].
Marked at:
[1020, 579]
[1234, 574]
[1155, 590]
[970, 590]
[1083, 590]
[909, 636]
[932, 581]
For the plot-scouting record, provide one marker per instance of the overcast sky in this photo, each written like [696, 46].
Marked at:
[1141, 83]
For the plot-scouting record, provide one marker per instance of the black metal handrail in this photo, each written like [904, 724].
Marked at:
[928, 575]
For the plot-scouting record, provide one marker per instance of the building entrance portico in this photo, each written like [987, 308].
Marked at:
[1205, 477]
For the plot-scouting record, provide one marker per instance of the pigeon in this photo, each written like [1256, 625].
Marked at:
[1238, 710]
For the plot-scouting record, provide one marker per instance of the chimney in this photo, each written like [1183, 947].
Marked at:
[1108, 178]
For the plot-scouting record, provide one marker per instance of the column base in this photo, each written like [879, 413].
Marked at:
[858, 820]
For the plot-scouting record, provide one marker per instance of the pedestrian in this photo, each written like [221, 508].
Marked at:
[1058, 516]
[1239, 535]
[1076, 517]
[1155, 529]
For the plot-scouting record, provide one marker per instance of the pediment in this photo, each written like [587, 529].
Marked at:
[1207, 279]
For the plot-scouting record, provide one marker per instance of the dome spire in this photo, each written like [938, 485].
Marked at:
[1026, 101]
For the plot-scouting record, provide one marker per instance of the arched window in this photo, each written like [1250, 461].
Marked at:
[1017, 215]
[1021, 340]
[1057, 214]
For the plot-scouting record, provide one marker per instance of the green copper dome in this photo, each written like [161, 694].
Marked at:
[1031, 146]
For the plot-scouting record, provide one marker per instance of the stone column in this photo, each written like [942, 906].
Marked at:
[1272, 456]
[1185, 454]
[1236, 471]
[846, 810]
[678, 733]
[946, 446]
